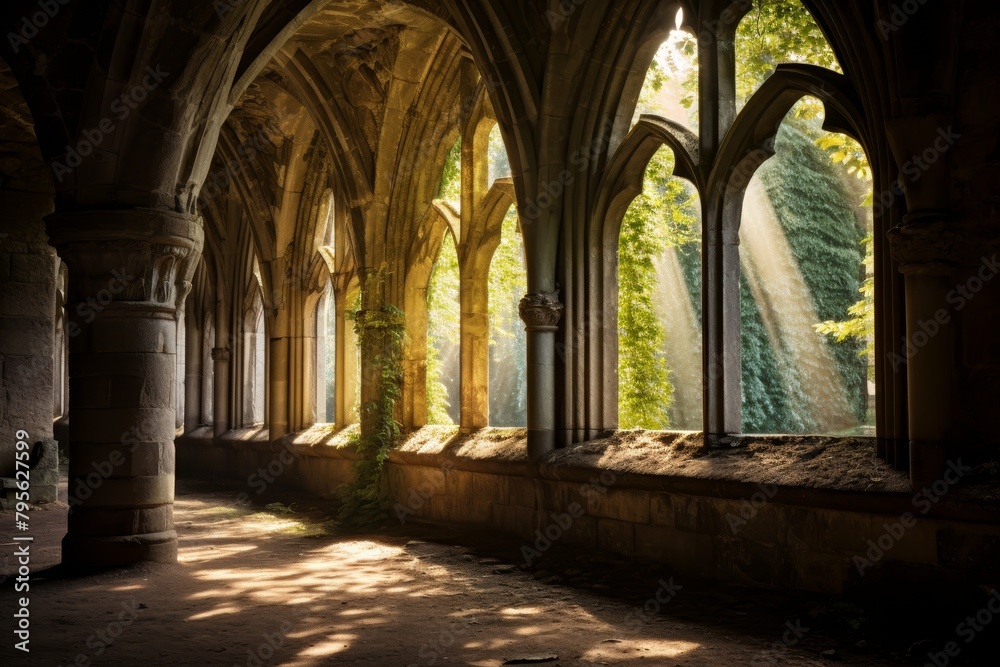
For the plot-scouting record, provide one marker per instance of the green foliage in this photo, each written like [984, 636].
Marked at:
[508, 283]
[860, 325]
[380, 335]
[661, 218]
[443, 333]
[774, 32]
[451, 179]
[817, 213]
[818, 220]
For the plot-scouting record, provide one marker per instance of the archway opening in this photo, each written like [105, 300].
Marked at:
[659, 304]
[508, 283]
[443, 337]
[807, 285]
[670, 89]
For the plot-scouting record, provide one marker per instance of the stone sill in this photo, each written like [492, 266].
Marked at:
[808, 471]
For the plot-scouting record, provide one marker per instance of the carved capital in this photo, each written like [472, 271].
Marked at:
[221, 354]
[541, 311]
[134, 258]
[935, 241]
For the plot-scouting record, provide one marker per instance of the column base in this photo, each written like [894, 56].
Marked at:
[91, 553]
[540, 442]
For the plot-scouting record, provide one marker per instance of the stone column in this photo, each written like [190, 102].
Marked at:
[475, 351]
[192, 369]
[221, 357]
[347, 363]
[541, 312]
[926, 244]
[721, 327]
[277, 414]
[129, 274]
[27, 310]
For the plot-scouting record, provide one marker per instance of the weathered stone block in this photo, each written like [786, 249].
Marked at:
[519, 521]
[560, 495]
[826, 531]
[661, 509]
[746, 561]
[701, 515]
[616, 536]
[621, 504]
[653, 543]
[26, 300]
[819, 572]
[490, 488]
[522, 492]
[33, 268]
[458, 483]
[27, 336]
[582, 533]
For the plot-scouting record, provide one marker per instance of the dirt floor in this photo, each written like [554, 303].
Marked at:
[277, 585]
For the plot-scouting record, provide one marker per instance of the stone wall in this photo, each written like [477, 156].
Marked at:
[738, 531]
[27, 312]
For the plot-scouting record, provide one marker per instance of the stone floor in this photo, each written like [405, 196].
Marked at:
[275, 585]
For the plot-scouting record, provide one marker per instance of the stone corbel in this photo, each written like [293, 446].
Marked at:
[541, 311]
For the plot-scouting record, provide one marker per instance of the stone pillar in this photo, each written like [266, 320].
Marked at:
[277, 413]
[192, 370]
[926, 245]
[221, 356]
[27, 332]
[347, 363]
[129, 274]
[541, 312]
[721, 326]
[475, 351]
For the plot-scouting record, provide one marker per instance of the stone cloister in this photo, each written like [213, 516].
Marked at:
[193, 192]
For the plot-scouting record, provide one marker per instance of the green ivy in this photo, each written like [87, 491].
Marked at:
[662, 218]
[380, 334]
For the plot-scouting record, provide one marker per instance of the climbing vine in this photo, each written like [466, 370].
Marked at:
[662, 219]
[380, 334]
